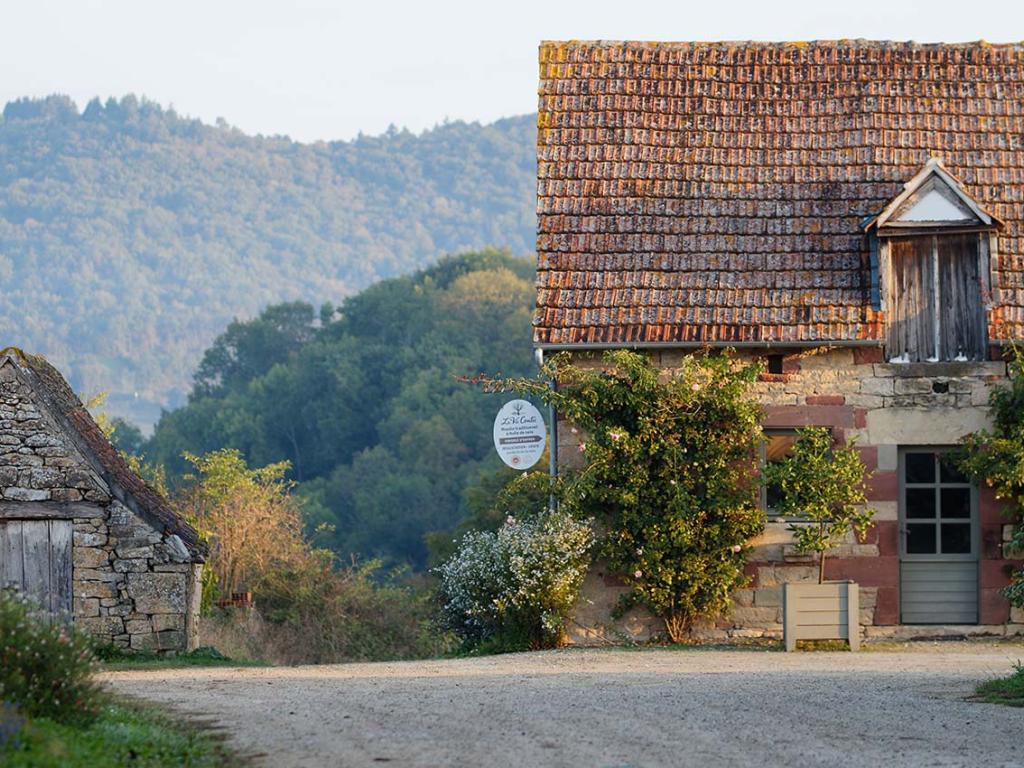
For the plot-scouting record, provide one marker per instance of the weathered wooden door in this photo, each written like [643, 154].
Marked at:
[939, 541]
[934, 299]
[35, 557]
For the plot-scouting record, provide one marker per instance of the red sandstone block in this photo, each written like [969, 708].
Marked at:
[883, 486]
[867, 355]
[992, 541]
[995, 574]
[993, 608]
[791, 364]
[869, 455]
[888, 533]
[866, 571]
[887, 606]
[990, 509]
[809, 416]
[826, 400]
[860, 418]
[780, 378]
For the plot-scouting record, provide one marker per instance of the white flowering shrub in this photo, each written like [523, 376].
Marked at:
[517, 586]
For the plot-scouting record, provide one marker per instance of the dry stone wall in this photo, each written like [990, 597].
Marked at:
[36, 462]
[132, 586]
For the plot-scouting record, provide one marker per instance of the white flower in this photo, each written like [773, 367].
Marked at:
[638, 574]
[736, 547]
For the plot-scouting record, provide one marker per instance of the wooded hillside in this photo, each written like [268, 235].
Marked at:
[362, 401]
[130, 236]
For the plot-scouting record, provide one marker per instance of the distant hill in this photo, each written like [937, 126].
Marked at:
[130, 236]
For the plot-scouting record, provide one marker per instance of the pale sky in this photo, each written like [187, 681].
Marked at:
[328, 70]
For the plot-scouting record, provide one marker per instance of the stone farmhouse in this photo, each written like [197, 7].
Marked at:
[80, 532]
[852, 212]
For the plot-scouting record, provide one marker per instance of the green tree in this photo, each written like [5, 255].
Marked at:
[144, 234]
[364, 407]
[824, 485]
[250, 349]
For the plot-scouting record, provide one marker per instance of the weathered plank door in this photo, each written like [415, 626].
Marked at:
[911, 300]
[939, 541]
[934, 299]
[35, 557]
[962, 322]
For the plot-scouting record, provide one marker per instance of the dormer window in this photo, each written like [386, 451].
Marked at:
[933, 245]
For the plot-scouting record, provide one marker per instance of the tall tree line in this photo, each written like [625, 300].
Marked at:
[362, 399]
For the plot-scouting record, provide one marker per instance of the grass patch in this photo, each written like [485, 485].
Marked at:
[1005, 690]
[115, 659]
[123, 735]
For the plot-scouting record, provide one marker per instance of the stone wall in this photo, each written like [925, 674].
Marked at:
[36, 461]
[133, 586]
[884, 406]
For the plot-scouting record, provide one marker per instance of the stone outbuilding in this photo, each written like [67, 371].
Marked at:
[850, 212]
[80, 532]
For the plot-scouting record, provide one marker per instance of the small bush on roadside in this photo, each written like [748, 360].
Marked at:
[309, 608]
[45, 668]
[516, 588]
[327, 614]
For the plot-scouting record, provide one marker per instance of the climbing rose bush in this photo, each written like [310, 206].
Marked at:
[517, 586]
[46, 667]
[670, 473]
[996, 458]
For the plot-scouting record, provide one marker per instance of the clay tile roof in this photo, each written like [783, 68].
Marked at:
[715, 192]
[126, 486]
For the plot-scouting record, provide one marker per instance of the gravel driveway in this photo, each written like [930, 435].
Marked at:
[584, 708]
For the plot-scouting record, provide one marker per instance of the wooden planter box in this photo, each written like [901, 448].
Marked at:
[829, 611]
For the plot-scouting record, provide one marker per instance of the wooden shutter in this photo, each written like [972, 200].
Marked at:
[35, 558]
[910, 299]
[962, 319]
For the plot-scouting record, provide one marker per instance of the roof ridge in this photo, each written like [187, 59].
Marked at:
[858, 42]
[17, 352]
[95, 447]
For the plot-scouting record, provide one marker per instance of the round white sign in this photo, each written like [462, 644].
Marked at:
[519, 434]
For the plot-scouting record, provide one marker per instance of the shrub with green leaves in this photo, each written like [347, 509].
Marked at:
[823, 485]
[996, 458]
[46, 667]
[668, 467]
[517, 586]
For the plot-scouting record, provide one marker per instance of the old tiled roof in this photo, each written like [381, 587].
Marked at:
[715, 192]
[125, 485]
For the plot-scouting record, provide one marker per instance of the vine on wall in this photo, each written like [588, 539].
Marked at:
[670, 462]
